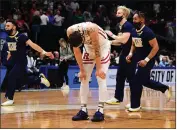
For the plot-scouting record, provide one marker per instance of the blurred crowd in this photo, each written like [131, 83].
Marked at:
[161, 18]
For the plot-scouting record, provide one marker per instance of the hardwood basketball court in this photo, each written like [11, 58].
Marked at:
[54, 109]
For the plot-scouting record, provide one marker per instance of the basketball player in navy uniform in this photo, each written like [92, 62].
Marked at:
[124, 39]
[17, 58]
[96, 51]
[145, 48]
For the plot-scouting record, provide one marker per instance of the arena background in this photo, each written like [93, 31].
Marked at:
[33, 99]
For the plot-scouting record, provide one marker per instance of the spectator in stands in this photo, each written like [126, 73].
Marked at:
[170, 33]
[114, 58]
[51, 5]
[58, 19]
[79, 17]
[164, 62]
[36, 20]
[32, 11]
[22, 25]
[44, 18]
[56, 59]
[51, 17]
[34, 77]
[156, 8]
[2, 23]
[15, 14]
[65, 55]
[87, 15]
[74, 5]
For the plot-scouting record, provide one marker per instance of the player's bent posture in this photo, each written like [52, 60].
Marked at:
[17, 59]
[145, 47]
[96, 50]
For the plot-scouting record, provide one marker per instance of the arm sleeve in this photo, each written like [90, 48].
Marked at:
[150, 35]
[23, 38]
[128, 28]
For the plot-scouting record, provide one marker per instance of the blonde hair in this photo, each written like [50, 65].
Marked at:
[126, 11]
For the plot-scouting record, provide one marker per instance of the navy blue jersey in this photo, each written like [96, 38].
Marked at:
[126, 27]
[17, 47]
[141, 42]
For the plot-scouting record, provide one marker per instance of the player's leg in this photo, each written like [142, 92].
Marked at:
[136, 89]
[84, 89]
[37, 79]
[5, 81]
[157, 85]
[130, 72]
[160, 87]
[103, 94]
[141, 77]
[120, 82]
[13, 76]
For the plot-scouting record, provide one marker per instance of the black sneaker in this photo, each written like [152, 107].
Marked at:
[81, 115]
[98, 117]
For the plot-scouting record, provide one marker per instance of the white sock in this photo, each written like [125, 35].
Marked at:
[84, 107]
[100, 107]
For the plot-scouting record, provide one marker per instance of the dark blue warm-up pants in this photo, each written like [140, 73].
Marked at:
[127, 70]
[15, 77]
[142, 77]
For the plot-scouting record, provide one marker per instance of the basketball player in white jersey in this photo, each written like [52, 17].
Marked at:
[96, 51]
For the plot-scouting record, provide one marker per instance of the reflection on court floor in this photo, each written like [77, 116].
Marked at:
[54, 109]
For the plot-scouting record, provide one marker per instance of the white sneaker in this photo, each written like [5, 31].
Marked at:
[113, 101]
[8, 103]
[135, 114]
[66, 87]
[168, 93]
[127, 106]
[65, 90]
[64, 84]
[134, 109]
[44, 80]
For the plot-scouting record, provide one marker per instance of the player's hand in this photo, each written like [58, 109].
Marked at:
[109, 33]
[128, 58]
[100, 74]
[8, 55]
[50, 55]
[142, 63]
[82, 75]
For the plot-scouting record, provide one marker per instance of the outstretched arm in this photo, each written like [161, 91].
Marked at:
[39, 49]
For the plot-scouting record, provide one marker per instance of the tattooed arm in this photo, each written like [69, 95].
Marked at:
[95, 42]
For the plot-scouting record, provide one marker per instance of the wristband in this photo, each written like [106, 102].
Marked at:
[147, 59]
[44, 52]
[130, 54]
